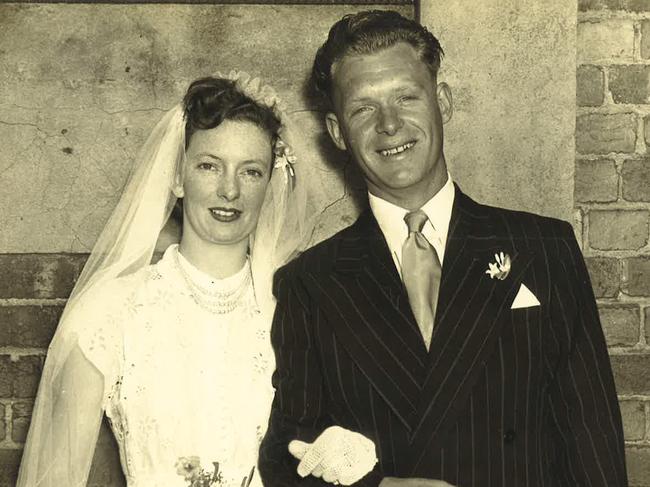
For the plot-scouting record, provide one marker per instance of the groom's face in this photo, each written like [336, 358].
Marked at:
[387, 114]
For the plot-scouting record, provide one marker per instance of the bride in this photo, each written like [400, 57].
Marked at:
[177, 354]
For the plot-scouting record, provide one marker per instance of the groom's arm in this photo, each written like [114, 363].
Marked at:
[300, 406]
[583, 399]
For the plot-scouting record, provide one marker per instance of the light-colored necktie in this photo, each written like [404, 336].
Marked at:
[421, 271]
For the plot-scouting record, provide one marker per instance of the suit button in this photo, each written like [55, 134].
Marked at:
[509, 436]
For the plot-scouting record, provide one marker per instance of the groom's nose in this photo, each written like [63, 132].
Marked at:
[388, 120]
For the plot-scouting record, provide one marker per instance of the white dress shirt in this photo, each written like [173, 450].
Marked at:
[391, 221]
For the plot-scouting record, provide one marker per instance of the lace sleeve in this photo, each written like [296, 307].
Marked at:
[78, 371]
[99, 337]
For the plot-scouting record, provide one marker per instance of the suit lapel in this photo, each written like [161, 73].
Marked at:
[365, 303]
[469, 317]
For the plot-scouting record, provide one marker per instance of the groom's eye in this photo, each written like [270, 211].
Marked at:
[361, 110]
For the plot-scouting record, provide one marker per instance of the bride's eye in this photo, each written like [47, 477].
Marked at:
[256, 173]
[206, 166]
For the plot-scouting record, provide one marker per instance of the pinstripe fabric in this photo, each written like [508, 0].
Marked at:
[521, 397]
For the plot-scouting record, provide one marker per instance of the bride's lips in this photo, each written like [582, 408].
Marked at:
[225, 215]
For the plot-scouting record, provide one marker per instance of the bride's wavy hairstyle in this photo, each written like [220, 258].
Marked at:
[209, 101]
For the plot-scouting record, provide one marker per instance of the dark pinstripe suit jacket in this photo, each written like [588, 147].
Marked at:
[521, 397]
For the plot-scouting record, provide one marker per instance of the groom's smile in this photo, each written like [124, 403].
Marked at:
[397, 150]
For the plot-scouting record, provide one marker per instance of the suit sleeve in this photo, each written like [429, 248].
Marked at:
[589, 434]
[299, 408]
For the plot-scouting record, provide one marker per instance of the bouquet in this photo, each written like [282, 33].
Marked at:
[196, 476]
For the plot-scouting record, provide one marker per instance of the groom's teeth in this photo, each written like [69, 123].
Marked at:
[397, 150]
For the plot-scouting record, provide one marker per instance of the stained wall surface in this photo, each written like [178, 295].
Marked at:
[82, 85]
[511, 68]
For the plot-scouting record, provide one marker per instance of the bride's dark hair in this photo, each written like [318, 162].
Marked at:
[209, 101]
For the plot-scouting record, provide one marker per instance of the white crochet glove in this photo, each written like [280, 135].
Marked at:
[338, 455]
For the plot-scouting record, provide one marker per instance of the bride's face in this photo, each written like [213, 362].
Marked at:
[226, 172]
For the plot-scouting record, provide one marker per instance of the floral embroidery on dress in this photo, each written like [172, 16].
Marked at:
[260, 363]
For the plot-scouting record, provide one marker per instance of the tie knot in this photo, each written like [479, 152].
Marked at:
[415, 220]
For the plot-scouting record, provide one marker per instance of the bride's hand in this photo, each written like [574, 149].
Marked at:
[338, 456]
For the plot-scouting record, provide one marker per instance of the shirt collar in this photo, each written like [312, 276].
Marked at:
[439, 208]
[390, 217]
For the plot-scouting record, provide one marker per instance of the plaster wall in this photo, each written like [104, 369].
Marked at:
[511, 68]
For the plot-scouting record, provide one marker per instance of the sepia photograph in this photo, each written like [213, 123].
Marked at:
[373, 243]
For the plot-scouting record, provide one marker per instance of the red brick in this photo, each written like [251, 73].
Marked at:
[19, 378]
[598, 133]
[631, 373]
[28, 326]
[621, 324]
[629, 5]
[9, 463]
[629, 83]
[590, 86]
[636, 180]
[596, 181]
[638, 276]
[618, 229]
[39, 275]
[606, 41]
[633, 413]
[21, 415]
[605, 276]
[638, 466]
[3, 425]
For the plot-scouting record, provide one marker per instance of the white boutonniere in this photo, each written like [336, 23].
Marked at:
[501, 268]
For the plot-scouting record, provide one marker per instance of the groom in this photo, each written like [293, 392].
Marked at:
[462, 339]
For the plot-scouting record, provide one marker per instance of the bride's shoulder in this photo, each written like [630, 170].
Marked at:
[114, 294]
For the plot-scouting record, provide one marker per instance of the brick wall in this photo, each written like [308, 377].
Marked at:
[32, 295]
[612, 195]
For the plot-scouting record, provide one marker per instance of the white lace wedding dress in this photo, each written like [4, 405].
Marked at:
[180, 379]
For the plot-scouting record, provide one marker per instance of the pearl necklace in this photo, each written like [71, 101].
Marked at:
[212, 300]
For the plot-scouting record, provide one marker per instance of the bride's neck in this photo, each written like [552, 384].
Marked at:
[218, 261]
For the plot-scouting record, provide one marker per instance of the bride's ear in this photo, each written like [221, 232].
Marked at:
[177, 185]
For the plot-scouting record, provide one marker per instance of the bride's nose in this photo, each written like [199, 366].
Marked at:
[228, 187]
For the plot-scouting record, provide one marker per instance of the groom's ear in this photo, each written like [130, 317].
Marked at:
[334, 129]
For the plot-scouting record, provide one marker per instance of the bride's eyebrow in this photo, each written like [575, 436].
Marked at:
[208, 154]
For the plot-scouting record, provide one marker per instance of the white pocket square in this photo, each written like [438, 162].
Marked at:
[524, 299]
